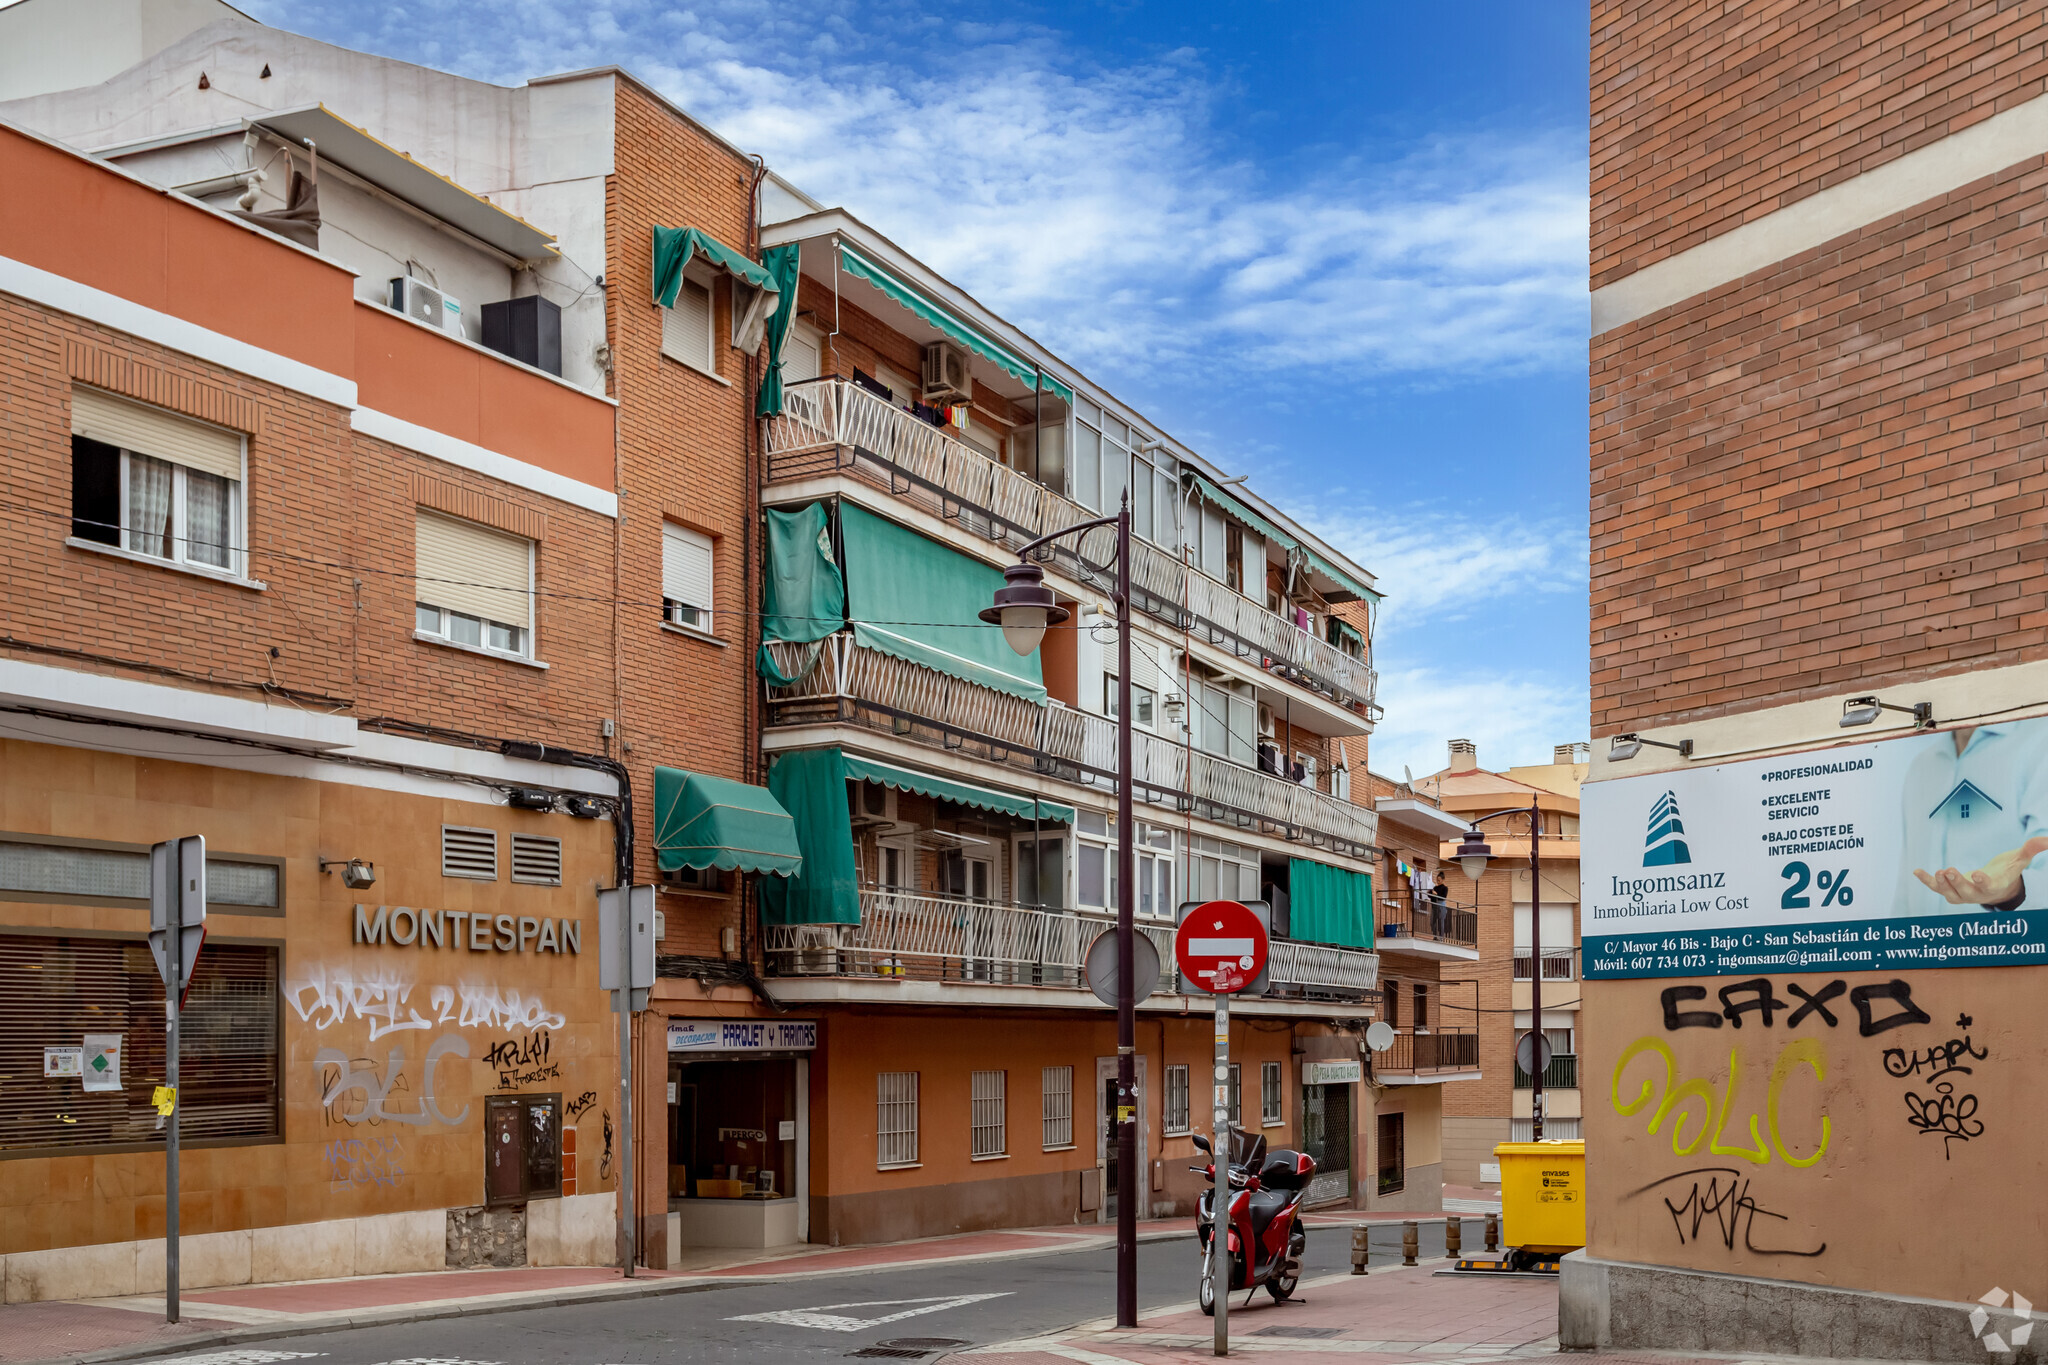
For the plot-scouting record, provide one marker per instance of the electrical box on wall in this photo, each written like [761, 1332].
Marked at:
[528, 329]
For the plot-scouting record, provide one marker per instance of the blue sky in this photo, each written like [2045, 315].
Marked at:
[1338, 247]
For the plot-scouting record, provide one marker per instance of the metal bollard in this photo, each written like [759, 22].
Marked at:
[1360, 1248]
[1493, 1232]
[1454, 1236]
[1410, 1242]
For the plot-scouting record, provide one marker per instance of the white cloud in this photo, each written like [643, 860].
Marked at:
[1514, 718]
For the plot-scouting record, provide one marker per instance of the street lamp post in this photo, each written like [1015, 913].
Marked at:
[1024, 608]
[1472, 856]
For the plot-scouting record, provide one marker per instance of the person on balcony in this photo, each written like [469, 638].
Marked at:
[1440, 907]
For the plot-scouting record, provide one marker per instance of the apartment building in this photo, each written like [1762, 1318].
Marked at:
[1817, 664]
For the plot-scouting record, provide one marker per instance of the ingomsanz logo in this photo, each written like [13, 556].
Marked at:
[2015, 1335]
[1663, 847]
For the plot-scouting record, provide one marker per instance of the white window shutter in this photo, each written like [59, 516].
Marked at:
[801, 357]
[473, 569]
[153, 431]
[686, 328]
[686, 563]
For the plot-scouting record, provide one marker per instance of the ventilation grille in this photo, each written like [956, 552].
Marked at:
[537, 858]
[470, 853]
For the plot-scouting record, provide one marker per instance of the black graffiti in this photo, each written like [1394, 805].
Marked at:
[532, 1050]
[1900, 994]
[1936, 1061]
[604, 1166]
[1757, 997]
[533, 1075]
[1720, 1194]
[1945, 1113]
[1815, 1004]
[580, 1106]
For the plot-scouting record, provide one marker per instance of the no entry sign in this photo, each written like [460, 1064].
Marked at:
[1221, 947]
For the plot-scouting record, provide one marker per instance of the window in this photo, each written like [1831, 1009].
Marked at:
[62, 990]
[536, 859]
[1421, 1019]
[1179, 1119]
[1056, 1108]
[1390, 1001]
[522, 1148]
[1215, 870]
[474, 585]
[990, 1129]
[686, 562]
[1269, 1093]
[1225, 723]
[157, 484]
[471, 853]
[37, 870]
[896, 1118]
[803, 353]
[686, 328]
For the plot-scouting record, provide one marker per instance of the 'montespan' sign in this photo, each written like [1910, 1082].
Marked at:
[403, 926]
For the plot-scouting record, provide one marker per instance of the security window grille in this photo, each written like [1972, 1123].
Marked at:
[1236, 1093]
[57, 871]
[1056, 1090]
[1269, 1093]
[471, 853]
[686, 563]
[686, 328]
[155, 483]
[896, 1118]
[1178, 1117]
[472, 586]
[537, 859]
[990, 1100]
[58, 989]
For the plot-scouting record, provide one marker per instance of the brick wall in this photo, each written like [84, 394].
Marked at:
[1706, 116]
[1827, 475]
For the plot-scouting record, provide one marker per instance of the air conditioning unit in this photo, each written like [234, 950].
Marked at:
[693, 878]
[876, 803]
[945, 374]
[422, 302]
[816, 951]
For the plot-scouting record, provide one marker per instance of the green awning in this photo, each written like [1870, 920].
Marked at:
[1328, 904]
[920, 601]
[860, 267]
[785, 264]
[1235, 507]
[705, 821]
[673, 250]
[959, 793]
[811, 783]
[804, 597]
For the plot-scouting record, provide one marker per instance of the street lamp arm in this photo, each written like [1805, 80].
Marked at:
[1051, 536]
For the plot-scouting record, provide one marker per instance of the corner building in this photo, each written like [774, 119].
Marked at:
[1817, 269]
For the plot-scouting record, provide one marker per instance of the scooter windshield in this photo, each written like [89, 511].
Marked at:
[1247, 1149]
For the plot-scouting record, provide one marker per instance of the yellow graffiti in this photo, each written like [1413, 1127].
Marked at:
[1713, 1111]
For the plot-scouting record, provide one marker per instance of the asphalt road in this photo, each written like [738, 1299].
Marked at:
[824, 1318]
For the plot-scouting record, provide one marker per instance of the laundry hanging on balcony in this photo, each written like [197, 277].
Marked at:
[703, 821]
[674, 248]
[785, 267]
[1329, 904]
[932, 314]
[804, 598]
[811, 785]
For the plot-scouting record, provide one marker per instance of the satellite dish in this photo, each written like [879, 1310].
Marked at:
[1380, 1036]
[1408, 773]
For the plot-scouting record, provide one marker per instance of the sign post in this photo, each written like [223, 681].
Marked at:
[177, 929]
[1221, 947]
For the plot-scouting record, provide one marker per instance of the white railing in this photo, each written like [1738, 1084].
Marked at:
[953, 480]
[1077, 745]
[903, 935]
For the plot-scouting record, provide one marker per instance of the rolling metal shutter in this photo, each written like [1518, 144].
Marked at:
[474, 570]
[686, 560]
[153, 431]
[686, 328]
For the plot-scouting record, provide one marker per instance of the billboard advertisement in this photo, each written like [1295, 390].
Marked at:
[1922, 851]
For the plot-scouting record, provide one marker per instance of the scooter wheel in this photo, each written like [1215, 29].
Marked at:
[1207, 1297]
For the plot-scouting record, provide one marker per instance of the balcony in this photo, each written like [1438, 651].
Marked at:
[1561, 1074]
[906, 936]
[1447, 931]
[1419, 1056]
[830, 426]
[1559, 964]
[841, 682]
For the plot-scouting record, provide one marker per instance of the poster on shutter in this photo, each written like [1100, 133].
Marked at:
[101, 1064]
[63, 1061]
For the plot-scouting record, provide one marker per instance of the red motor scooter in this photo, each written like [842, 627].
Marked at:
[1265, 1239]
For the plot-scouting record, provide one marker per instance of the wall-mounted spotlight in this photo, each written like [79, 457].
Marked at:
[1863, 710]
[1625, 747]
[355, 873]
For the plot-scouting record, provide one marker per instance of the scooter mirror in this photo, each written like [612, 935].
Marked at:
[1202, 1143]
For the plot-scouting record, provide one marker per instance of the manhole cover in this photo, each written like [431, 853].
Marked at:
[1285, 1331]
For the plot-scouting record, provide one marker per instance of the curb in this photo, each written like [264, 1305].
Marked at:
[398, 1315]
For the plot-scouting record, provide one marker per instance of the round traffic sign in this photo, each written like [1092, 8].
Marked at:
[1220, 947]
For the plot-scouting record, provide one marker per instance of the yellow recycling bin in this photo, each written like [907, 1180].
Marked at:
[1543, 1196]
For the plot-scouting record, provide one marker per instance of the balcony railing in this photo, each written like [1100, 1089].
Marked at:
[1561, 1074]
[1448, 921]
[909, 936]
[1417, 1051]
[830, 426]
[1559, 964]
[840, 681]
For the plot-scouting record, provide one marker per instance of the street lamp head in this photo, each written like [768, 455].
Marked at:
[1024, 607]
[1473, 853]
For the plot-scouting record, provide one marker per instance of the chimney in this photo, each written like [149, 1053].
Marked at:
[1564, 753]
[1464, 755]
